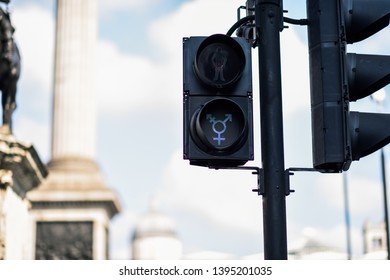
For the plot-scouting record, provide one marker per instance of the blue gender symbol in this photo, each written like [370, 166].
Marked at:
[214, 123]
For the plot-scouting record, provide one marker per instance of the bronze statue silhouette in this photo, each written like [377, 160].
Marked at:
[9, 68]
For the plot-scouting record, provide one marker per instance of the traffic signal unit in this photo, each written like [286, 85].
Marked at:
[217, 100]
[337, 77]
[217, 89]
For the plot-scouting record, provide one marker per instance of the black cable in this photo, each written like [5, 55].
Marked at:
[296, 21]
[239, 23]
[252, 17]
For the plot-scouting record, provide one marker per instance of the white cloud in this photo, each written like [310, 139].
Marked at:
[223, 197]
[295, 73]
[195, 18]
[133, 83]
[34, 34]
[111, 6]
[363, 194]
[35, 38]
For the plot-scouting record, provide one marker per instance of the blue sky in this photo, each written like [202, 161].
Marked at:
[139, 141]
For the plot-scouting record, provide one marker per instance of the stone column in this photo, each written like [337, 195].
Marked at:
[74, 107]
[73, 208]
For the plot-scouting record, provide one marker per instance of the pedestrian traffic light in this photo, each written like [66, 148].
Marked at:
[217, 99]
[337, 77]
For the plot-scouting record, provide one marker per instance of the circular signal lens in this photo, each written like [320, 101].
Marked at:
[219, 61]
[219, 126]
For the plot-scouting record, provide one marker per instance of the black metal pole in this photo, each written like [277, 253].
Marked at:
[268, 15]
[347, 216]
[383, 165]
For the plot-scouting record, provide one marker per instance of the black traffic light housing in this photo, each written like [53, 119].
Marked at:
[217, 100]
[337, 77]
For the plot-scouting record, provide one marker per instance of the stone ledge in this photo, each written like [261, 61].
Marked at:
[21, 158]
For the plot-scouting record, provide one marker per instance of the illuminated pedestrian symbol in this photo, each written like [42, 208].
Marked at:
[219, 126]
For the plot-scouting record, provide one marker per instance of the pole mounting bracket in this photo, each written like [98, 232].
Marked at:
[255, 171]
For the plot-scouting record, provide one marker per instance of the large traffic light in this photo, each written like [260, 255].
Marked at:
[217, 99]
[337, 77]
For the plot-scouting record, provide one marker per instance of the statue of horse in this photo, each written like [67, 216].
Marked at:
[9, 68]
